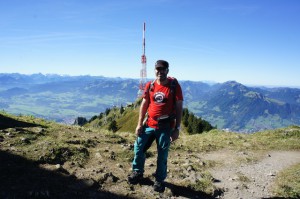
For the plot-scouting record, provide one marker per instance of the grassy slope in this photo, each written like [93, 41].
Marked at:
[104, 157]
[126, 121]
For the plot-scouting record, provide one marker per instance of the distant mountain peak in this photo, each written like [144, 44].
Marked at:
[233, 84]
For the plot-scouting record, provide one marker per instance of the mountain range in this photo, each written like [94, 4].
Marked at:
[229, 105]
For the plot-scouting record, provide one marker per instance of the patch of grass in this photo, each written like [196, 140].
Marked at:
[242, 178]
[60, 154]
[215, 140]
[250, 158]
[128, 121]
[204, 184]
[86, 143]
[287, 183]
[279, 139]
[125, 155]
[115, 139]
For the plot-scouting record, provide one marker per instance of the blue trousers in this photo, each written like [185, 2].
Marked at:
[141, 144]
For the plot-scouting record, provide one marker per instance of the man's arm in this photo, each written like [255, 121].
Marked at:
[143, 111]
[175, 133]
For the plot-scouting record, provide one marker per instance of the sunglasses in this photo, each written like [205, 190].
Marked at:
[161, 69]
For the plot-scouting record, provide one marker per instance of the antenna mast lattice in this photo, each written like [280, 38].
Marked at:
[143, 71]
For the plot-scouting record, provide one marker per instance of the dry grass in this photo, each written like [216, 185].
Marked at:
[288, 183]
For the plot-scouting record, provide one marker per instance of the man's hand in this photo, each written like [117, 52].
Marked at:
[139, 130]
[175, 135]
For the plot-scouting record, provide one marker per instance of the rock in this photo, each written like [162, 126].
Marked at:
[108, 177]
[187, 162]
[151, 165]
[82, 185]
[271, 174]
[89, 182]
[37, 130]
[98, 155]
[11, 135]
[201, 163]
[112, 155]
[193, 177]
[73, 141]
[25, 140]
[58, 166]
[119, 165]
[242, 153]
[190, 168]
[112, 178]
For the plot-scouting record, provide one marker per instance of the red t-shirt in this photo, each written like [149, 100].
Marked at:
[161, 100]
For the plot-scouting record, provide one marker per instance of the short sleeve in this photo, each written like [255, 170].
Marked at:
[146, 91]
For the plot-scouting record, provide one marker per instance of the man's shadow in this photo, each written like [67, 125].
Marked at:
[23, 178]
[180, 190]
[7, 122]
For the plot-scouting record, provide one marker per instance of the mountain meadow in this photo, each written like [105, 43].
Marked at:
[229, 105]
[44, 159]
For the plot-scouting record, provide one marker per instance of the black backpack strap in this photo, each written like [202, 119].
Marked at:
[173, 86]
[151, 86]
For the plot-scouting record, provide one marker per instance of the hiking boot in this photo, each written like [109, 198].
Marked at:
[135, 177]
[159, 186]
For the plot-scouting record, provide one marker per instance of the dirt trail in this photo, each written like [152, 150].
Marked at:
[240, 179]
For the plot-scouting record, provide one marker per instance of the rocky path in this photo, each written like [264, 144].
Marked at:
[246, 175]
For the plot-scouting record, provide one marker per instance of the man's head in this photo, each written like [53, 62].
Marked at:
[161, 69]
[161, 64]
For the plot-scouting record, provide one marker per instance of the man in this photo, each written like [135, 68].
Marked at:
[162, 101]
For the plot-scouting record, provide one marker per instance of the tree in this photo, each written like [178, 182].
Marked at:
[113, 126]
[194, 124]
[93, 118]
[190, 123]
[107, 111]
[121, 110]
[80, 121]
[185, 116]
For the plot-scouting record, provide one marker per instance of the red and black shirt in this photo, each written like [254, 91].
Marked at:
[161, 100]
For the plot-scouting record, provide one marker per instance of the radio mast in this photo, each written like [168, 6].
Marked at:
[143, 71]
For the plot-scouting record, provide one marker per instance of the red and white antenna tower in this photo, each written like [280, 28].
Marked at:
[143, 72]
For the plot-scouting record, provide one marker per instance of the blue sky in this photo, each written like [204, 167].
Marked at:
[254, 42]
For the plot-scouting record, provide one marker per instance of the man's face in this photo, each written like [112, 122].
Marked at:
[161, 73]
